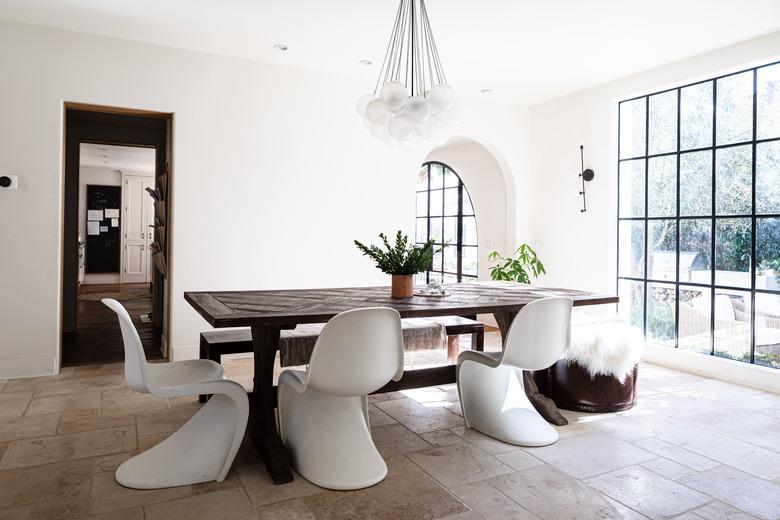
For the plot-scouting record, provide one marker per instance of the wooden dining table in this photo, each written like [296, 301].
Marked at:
[269, 312]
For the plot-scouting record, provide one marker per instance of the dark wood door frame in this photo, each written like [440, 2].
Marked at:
[106, 125]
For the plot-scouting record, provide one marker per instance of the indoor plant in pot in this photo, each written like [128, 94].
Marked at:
[518, 268]
[401, 260]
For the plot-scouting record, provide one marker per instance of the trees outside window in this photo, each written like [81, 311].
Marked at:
[446, 215]
[699, 215]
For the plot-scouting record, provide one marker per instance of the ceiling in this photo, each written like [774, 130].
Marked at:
[527, 51]
[127, 158]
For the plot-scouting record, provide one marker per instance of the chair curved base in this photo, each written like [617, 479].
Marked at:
[328, 438]
[200, 451]
[494, 403]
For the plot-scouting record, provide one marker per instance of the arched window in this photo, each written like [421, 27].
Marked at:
[446, 215]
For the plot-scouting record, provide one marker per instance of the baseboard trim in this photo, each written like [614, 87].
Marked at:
[753, 376]
[28, 367]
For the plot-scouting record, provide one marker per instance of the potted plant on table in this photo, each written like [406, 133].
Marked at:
[518, 268]
[401, 260]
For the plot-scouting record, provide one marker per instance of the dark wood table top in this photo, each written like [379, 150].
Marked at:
[290, 307]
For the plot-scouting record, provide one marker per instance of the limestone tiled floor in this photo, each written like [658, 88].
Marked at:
[693, 448]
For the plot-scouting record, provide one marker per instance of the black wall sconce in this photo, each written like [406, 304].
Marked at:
[586, 175]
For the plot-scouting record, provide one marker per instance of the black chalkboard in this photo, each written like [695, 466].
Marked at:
[103, 249]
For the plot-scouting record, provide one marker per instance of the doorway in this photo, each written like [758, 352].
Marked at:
[115, 244]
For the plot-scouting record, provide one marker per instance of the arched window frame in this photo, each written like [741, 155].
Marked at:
[434, 190]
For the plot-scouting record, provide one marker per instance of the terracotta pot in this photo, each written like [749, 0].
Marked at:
[403, 286]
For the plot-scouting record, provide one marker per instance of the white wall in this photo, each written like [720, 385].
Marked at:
[579, 250]
[273, 174]
[485, 182]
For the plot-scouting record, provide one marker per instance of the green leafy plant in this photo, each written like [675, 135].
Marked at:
[518, 268]
[401, 257]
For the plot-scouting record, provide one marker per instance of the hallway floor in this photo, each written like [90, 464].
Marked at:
[98, 338]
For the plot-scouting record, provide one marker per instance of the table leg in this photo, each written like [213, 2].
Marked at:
[262, 418]
[453, 348]
[543, 404]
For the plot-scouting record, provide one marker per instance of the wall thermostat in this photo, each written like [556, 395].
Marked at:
[9, 182]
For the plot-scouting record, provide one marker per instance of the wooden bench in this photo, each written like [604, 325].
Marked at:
[217, 343]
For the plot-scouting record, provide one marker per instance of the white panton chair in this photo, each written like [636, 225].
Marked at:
[204, 448]
[490, 384]
[323, 411]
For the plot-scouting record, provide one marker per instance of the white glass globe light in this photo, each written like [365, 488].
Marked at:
[363, 102]
[394, 95]
[452, 115]
[377, 112]
[417, 109]
[428, 128]
[380, 132]
[368, 124]
[440, 97]
[401, 127]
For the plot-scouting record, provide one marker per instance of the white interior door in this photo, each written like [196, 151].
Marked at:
[135, 229]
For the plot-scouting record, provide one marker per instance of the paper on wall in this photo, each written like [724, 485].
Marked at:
[114, 222]
[93, 228]
[104, 229]
[95, 214]
[112, 213]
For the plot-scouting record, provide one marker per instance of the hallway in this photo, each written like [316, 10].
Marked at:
[98, 338]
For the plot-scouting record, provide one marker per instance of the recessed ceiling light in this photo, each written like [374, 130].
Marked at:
[486, 91]
[280, 47]
[365, 63]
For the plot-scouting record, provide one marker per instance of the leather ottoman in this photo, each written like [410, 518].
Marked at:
[573, 388]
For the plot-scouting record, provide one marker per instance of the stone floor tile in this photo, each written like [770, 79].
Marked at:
[50, 483]
[442, 438]
[677, 454]
[89, 420]
[741, 455]
[14, 404]
[407, 492]
[459, 464]
[389, 396]
[732, 420]
[166, 420]
[80, 385]
[127, 402]
[3, 382]
[262, 490]
[465, 515]
[518, 459]
[739, 489]
[553, 495]
[377, 417]
[482, 441]
[490, 503]
[395, 439]
[647, 492]
[136, 513]
[294, 509]
[418, 417]
[26, 427]
[32, 452]
[146, 442]
[668, 468]
[107, 495]
[227, 504]
[625, 512]
[64, 403]
[20, 385]
[590, 454]
[632, 428]
[768, 438]
[716, 510]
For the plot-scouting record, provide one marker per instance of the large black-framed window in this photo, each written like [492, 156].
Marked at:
[446, 215]
[699, 215]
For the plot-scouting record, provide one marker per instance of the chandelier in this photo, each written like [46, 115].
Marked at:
[412, 103]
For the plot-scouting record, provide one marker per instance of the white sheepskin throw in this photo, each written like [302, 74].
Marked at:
[604, 345]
